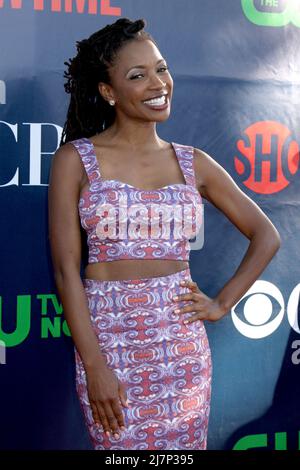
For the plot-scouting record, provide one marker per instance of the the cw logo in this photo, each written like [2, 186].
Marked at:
[51, 325]
[272, 12]
[261, 440]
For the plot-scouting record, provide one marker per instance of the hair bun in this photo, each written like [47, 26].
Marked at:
[134, 27]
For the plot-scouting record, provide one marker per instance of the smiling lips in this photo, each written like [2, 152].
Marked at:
[161, 102]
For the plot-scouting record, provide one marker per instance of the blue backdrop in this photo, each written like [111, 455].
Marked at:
[236, 70]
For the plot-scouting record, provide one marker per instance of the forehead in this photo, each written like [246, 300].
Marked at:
[137, 52]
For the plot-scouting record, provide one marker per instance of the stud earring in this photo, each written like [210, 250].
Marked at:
[112, 102]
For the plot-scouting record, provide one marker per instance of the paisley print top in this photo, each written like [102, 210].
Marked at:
[125, 222]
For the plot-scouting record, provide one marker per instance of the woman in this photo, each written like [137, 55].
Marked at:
[143, 368]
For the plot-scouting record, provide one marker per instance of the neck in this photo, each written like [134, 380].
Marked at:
[134, 134]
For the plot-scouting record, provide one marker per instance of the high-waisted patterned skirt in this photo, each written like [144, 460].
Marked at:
[164, 364]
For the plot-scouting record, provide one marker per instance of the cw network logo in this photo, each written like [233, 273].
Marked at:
[52, 322]
[267, 157]
[274, 13]
[255, 441]
[92, 7]
[263, 308]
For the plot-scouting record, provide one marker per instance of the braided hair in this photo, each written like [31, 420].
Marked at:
[89, 113]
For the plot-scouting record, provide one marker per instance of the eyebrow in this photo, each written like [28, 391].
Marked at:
[144, 66]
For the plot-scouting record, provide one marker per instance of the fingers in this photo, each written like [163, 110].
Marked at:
[193, 318]
[96, 417]
[194, 296]
[109, 414]
[118, 414]
[99, 416]
[187, 296]
[109, 420]
[123, 395]
[109, 417]
[191, 284]
[185, 309]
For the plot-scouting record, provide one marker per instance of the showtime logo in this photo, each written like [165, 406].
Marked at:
[92, 7]
[267, 157]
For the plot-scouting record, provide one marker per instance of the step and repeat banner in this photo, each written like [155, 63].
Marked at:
[236, 71]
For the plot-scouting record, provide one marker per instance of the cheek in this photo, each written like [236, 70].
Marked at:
[133, 93]
[170, 81]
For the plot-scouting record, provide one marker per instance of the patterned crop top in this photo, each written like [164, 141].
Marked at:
[125, 222]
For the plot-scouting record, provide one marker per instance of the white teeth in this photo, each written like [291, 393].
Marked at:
[157, 101]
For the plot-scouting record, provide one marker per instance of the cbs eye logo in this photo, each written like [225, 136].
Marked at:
[261, 310]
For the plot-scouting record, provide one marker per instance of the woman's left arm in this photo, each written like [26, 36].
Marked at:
[218, 187]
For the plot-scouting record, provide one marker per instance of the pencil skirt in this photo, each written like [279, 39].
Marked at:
[164, 364]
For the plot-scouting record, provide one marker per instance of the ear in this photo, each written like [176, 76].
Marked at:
[105, 91]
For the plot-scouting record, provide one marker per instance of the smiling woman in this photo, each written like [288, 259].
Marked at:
[130, 85]
[143, 368]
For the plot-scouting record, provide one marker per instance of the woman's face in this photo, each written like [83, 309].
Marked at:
[141, 84]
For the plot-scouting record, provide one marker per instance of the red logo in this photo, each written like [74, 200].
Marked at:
[93, 7]
[267, 157]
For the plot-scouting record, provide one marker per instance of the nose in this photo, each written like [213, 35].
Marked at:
[157, 82]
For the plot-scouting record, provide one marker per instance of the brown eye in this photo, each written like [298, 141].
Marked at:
[164, 68]
[135, 76]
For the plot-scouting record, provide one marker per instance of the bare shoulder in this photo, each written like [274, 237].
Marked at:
[66, 155]
[66, 164]
[207, 170]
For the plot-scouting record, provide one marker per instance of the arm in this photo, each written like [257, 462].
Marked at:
[65, 242]
[64, 237]
[217, 186]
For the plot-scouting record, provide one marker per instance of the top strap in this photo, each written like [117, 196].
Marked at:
[185, 154]
[86, 150]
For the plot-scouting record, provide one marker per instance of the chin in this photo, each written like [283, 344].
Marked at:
[161, 117]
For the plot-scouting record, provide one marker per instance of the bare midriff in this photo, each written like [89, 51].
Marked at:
[133, 269]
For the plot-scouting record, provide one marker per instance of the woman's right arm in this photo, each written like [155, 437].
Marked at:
[65, 242]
